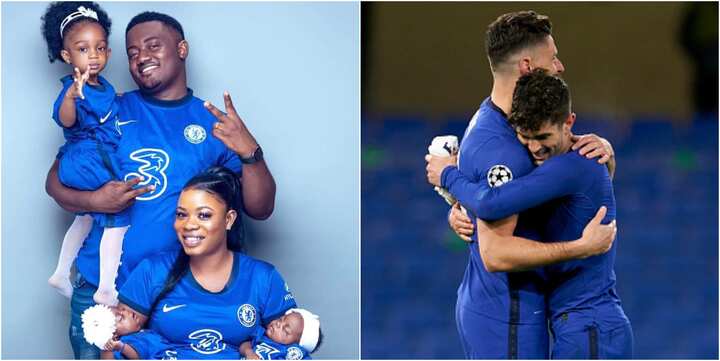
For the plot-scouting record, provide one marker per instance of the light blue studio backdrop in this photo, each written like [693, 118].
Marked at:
[293, 72]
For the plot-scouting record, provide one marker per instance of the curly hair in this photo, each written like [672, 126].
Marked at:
[538, 98]
[55, 14]
[515, 31]
[154, 16]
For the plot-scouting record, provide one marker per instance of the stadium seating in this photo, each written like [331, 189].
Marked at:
[666, 189]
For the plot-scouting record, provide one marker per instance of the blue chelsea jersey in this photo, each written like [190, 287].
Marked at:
[208, 323]
[95, 115]
[490, 143]
[268, 349]
[575, 188]
[167, 143]
[150, 345]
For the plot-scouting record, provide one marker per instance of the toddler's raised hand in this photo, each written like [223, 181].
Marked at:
[80, 80]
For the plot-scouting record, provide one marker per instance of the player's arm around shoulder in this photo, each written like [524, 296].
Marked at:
[595, 147]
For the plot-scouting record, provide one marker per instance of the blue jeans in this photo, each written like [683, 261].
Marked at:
[81, 300]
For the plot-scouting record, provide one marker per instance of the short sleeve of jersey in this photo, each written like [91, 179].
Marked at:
[279, 298]
[67, 82]
[144, 285]
[148, 344]
[230, 160]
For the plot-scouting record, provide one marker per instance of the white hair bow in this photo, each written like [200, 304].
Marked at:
[81, 12]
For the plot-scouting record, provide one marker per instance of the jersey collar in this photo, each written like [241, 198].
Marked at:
[233, 275]
[497, 108]
[167, 103]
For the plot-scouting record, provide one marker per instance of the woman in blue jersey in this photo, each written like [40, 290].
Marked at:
[209, 297]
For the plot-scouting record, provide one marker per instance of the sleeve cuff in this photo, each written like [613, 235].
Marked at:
[448, 176]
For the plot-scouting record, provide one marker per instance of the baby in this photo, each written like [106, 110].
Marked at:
[128, 325]
[293, 336]
[132, 342]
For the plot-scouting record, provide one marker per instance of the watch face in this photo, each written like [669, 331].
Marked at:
[256, 156]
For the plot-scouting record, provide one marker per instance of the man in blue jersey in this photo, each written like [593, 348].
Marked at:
[502, 315]
[587, 320]
[168, 135]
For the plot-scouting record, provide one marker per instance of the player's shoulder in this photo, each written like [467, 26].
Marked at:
[590, 164]
[578, 164]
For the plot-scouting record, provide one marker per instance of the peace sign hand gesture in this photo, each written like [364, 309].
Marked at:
[80, 80]
[231, 129]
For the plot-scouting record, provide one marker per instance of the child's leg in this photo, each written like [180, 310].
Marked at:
[74, 238]
[110, 250]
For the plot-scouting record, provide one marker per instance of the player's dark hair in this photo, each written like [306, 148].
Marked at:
[147, 16]
[54, 15]
[224, 184]
[512, 32]
[538, 98]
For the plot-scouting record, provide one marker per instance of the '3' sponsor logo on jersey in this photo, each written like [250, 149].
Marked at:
[207, 341]
[265, 351]
[153, 163]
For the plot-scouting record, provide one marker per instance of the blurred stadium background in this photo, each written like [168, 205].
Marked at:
[643, 75]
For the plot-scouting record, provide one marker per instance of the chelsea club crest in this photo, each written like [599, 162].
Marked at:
[294, 353]
[195, 134]
[246, 315]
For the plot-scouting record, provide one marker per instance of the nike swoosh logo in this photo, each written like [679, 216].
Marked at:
[103, 119]
[119, 123]
[168, 309]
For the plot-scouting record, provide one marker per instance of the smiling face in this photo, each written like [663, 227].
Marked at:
[201, 222]
[85, 47]
[127, 321]
[286, 330]
[156, 57]
[545, 56]
[548, 141]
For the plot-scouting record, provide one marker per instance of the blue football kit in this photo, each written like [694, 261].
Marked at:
[87, 160]
[150, 345]
[203, 324]
[268, 349]
[499, 315]
[586, 318]
[167, 143]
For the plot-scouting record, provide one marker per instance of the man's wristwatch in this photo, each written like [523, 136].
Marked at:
[256, 156]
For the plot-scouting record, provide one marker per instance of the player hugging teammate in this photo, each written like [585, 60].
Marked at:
[541, 212]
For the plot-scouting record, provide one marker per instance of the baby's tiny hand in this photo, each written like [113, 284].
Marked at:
[113, 345]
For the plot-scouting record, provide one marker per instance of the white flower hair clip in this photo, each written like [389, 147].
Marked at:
[98, 323]
[81, 12]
